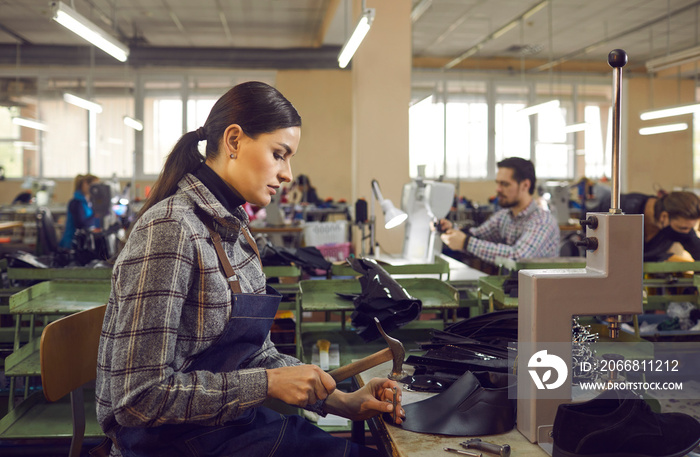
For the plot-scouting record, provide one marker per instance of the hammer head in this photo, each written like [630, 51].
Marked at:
[397, 350]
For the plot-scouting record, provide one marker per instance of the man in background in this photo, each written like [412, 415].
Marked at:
[522, 229]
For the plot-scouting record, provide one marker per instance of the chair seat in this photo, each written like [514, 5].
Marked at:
[36, 418]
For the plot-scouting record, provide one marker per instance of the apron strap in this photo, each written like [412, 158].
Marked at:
[225, 263]
[228, 269]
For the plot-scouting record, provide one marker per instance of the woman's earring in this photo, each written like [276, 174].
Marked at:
[233, 156]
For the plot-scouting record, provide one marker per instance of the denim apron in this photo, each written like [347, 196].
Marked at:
[257, 432]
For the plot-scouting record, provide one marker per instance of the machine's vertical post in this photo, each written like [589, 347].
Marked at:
[616, 59]
[610, 286]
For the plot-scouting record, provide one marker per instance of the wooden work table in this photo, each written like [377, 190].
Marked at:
[397, 442]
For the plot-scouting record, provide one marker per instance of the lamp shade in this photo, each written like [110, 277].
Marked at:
[393, 217]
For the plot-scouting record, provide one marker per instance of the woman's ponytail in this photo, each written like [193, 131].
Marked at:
[184, 158]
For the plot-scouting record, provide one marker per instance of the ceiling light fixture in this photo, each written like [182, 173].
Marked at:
[82, 102]
[673, 60]
[357, 36]
[496, 34]
[663, 129]
[133, 123]
[536, 109]
[669, 112]
[30, 123]
[419, 9]
[88, 30]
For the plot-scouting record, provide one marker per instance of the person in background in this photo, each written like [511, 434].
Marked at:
[302, 192]
[522, 229]
[185, 359]
[80, 214]
[668, 218]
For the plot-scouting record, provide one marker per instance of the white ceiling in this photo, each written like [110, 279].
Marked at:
[561, 31]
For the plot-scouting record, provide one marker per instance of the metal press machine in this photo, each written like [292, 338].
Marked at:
[610, 285]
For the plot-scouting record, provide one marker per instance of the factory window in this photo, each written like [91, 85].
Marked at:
[10, 149]
[466, 137]
[64, 145]
[512, 131]
[165, 117]
[598, 161]
[426, 137]
[467, 140]
[114, 142]
[552, 158]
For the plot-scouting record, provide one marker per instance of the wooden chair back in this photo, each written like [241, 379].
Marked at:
[69, 352]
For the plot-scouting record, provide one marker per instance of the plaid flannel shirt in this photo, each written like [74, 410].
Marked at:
[170, 301]
[534, 232]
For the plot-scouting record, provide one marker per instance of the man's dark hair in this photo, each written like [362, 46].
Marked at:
[522, 169]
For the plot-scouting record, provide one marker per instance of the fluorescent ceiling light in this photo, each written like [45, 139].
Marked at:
[535, 109]
[419, 9]
[673, 60]
[24, 144]
[86, 29]
[133, 123]
[496, 34]
[580, 127]
[82, 103]
[30, 123]
[356, 38]
[663, 129]
[668, 112]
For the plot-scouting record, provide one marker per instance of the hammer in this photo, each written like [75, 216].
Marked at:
[394, 352]
[476, 443]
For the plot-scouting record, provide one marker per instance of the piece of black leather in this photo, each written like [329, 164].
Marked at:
[381, 297]
[476, 404]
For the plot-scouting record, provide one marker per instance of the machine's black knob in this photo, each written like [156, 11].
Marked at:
[590, 221]
[617, 58]
[591, 244]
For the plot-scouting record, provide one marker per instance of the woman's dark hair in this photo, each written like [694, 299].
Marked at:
[678, 204]
[257, 107]
[80, 179]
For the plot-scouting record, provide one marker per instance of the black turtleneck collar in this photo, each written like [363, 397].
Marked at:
[217, 186]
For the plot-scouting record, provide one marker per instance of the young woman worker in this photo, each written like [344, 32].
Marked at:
[185, 357]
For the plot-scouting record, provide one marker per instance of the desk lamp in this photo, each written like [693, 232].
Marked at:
[610, 285]
[393, 217]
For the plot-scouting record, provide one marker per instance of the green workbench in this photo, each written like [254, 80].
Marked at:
[492, 286]
[439, 267]
[49, 299]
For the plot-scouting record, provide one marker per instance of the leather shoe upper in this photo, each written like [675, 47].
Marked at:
[620, 423]
[476, 404]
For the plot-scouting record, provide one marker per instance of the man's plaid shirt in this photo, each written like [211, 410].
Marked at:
[534, 232]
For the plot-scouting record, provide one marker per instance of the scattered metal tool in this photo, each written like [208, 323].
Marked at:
[461, 452]
[476, 443]
[394, 352]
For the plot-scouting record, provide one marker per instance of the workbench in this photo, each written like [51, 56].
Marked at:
[396, 442]
[657, 277]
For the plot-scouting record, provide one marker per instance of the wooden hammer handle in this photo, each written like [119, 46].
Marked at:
[358, 366]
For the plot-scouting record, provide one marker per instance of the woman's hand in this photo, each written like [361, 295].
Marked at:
[376, 397]
[299, 385]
